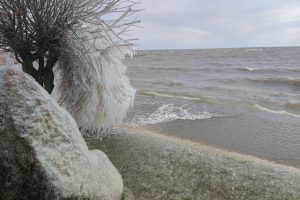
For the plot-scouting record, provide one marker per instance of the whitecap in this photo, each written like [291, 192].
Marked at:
[170, 112]
[281, 112]
[250, 69]
[170, 96]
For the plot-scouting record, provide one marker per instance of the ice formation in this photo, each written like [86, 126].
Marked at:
[91, 81]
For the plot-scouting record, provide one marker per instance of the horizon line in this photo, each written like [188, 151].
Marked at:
[245, 47]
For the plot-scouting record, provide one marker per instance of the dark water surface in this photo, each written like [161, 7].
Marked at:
[244, 100]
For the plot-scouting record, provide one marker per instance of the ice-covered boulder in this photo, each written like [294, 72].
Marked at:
[158, 167]
[42, 153]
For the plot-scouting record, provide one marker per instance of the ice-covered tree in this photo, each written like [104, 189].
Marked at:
[74, 49]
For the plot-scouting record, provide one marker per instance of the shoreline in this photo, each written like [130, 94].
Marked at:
[261, 134]
[202, 145]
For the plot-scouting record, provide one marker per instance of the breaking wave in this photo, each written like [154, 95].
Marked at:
[250, 69]
[266, 70]
[176, 69]
[170, 112]
[283, 81]
[254, 49]
[281, 112]
[183, 96]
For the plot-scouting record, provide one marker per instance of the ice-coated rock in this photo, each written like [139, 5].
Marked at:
[42, 153]
[158, 167]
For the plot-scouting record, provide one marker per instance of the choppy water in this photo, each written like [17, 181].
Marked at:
[246, 100]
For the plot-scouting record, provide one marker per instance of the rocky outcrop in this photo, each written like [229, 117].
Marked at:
[159, 167]
[42, 153]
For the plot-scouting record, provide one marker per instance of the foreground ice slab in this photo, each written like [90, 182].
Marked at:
[160, 167]
[42, 153]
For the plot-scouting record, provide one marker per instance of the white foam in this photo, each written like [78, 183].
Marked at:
[170, 112]
[281, 112]
[171, 96]
[250, 69]
[254, 49]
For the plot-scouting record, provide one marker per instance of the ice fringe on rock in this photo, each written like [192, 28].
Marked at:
[92, 81]
[42, 152]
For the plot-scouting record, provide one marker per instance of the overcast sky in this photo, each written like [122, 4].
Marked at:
[184, 24]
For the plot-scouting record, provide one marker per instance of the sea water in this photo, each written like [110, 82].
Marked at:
[245, 100]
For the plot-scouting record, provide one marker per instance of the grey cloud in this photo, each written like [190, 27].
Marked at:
[215, 23]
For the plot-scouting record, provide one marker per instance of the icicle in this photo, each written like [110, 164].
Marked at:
[91, 78]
